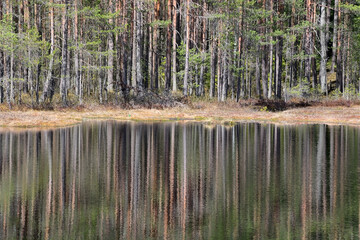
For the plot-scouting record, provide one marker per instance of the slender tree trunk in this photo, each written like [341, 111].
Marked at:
[203, 51]
[264, 73]
[156, 47]
[257, 72]
[187, 51]
[313, 59]
[1, 64]
[308, 42]
[7, 64]
[323, 44]
[100, 77]
[28, 79]
[278, 67]
[212, 68]
[224, 82]
[339, 55]
[110, 71]
[327, 31]
[12, 97]
[63, 87]
[139, 77]
[264, 76]
[168, 48]
[270, 67]
[219, 73]
[174, 33]
[134, 46]
[151, 52]
[77, 80]
[48, 83]
[124, 54]
[335, 36]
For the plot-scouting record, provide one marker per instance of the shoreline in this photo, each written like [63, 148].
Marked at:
[206, 113]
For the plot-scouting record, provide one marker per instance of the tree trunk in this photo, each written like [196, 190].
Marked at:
[203, 52]
[63, 87]
[48, 83]
[270, 67]
[308, 42]
[219, 74]
[168, 48]
[335, 36]
[257, 73]
[224, 82]
[124, 54]
[323, 44]
[174, 83]
[187, 51]
[264, 76]
[156, 47]
[134, 46]
[110, 60]
[1, 64]
[313, 59]
[100, 77]
[212, 68]
[278, 67]
[139, 78]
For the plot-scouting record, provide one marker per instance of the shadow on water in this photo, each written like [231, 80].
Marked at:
[179, 181]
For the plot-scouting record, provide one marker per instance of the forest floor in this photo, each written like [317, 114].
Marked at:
[200, 111]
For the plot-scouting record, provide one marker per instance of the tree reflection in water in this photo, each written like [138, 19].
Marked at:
[171, 180]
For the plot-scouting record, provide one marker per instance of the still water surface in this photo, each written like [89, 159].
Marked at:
[111, 180]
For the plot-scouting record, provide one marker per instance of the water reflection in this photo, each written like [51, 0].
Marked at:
[111, 180]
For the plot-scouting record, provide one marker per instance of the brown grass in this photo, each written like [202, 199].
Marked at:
[204, 111]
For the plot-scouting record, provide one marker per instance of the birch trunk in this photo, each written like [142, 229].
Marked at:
[323, 47]
[187, 51]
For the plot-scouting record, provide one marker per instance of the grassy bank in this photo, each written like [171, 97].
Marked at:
[291, 113]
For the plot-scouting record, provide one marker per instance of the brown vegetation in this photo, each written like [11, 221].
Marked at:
[330, 112]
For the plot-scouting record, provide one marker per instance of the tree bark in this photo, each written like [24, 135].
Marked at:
[323, 44]
[63, 87]
[257, 73]
[156, 47]
[278, 66]
[48, 83]
[335, 35]
[110, 60]
[1, 64]
[174, 22]
[308, 42]
[212, 68]
[134, 46]
[168, 48]
[139, 77]
[187, 51]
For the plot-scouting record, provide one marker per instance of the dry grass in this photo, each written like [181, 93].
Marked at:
[204, 111]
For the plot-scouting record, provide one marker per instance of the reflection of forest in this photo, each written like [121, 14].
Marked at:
[131, 180]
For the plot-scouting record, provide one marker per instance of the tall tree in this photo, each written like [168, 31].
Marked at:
[48, 83]
[168, 47]
[279, 53]
[335, 35]
[323, 44]
[110, 60]
[64, 53]
[187, 51]
[174, 47]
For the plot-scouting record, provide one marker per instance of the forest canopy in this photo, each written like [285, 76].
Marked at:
[75, 51]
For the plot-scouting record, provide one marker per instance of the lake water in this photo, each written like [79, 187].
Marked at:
[110, 180]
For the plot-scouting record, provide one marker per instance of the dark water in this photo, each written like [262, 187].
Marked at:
[107, 180]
